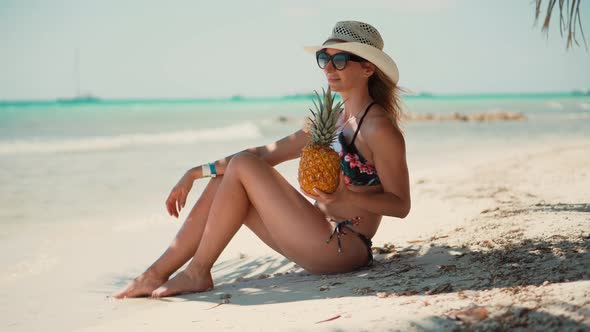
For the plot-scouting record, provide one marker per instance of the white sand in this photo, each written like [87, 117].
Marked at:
[501, 242]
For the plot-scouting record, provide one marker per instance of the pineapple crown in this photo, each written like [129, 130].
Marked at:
[323, 123]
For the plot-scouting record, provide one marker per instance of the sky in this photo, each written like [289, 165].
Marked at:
[201, 49]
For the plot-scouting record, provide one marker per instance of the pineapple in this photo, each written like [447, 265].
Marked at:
[319, 166]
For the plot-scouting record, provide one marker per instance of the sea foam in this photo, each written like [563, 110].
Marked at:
[246, 130]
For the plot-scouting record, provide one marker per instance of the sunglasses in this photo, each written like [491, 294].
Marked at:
[339, 60]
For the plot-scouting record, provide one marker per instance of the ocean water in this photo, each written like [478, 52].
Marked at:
[82, 183]
[57, 160]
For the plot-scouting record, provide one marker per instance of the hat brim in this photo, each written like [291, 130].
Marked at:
[374, 55]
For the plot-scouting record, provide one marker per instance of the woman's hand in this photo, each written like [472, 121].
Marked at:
[177, 198]
[339, 195]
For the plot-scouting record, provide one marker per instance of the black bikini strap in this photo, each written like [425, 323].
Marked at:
[361, 122]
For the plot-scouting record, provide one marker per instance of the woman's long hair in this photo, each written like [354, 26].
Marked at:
[387, 94]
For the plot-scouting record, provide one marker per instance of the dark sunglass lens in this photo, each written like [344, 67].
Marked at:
[322, 59]
[339, 61]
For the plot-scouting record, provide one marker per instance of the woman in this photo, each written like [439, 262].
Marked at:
[375, 183]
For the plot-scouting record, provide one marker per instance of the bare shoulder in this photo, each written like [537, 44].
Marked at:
[380, 132]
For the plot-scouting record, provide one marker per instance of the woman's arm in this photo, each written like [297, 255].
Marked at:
[389, 154]
[287, 148]
[275, 153]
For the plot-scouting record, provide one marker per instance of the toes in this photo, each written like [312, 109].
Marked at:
[130, 292]
[117, 296]
[157, 293]
[123, 294]
[140, 287]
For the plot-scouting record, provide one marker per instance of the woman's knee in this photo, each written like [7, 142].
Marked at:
[242, 160]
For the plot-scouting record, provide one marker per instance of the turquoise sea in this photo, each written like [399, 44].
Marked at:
[123, 153]
[28, 127]
[83, 184]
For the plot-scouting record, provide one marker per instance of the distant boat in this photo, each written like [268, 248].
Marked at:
[87, 98]
[581, 92]
[419, 94]
[80, 97]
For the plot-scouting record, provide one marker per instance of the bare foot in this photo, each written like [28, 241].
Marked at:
[185, 282]
[143, 285]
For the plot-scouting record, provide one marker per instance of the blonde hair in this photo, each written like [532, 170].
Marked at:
[387, 94]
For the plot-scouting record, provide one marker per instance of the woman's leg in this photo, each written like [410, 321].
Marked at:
[185, 244]
[181, 249]
[298, 228]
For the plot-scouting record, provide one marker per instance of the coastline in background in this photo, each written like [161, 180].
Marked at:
[301, 96]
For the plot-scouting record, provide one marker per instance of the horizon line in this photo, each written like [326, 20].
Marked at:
[238, 97]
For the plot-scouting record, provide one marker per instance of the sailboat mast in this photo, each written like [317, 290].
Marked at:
[77, 71]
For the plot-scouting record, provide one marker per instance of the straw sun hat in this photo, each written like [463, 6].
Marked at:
[361, 39]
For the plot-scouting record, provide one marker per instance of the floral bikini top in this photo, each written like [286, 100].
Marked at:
[357, 170]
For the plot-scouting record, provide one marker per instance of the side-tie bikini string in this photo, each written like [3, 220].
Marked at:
[339, 230]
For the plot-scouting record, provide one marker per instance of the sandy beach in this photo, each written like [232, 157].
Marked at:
[497, 235]
[496, 243]
[105, 105]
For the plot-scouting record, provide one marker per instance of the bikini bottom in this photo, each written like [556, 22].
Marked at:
[341, 226]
